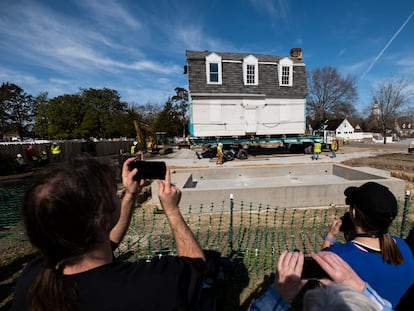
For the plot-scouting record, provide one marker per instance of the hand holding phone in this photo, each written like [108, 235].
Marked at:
[313, 271]
[148, 169]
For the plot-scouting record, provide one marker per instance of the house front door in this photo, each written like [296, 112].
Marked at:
[250, 121]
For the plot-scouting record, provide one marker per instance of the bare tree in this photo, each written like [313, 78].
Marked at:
[389, 98]
[329, 94]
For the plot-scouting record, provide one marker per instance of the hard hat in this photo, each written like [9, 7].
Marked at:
[220, 144]
[43, 152]
[19, 155]
[135, 143]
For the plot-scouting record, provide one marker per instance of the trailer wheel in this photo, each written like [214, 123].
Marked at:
[296, 148]
[309, 149]
[228, 155]
[242, 155]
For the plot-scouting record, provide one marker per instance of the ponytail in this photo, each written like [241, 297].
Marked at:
[389, 250]
[51, 291]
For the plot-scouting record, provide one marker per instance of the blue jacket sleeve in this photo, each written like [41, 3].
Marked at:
[269, 301]
[383, 304]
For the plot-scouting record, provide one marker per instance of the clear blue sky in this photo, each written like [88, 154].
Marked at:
[138, 47]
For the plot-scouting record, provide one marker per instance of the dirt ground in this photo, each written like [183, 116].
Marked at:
[15, 251]
[400, 165]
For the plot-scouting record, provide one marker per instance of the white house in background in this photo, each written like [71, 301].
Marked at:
[344, 129]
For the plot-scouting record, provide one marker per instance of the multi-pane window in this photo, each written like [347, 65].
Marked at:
[251, 74]
[285, 71]
[285, 75]
[250, 70]
[214, 72]
[213, 69]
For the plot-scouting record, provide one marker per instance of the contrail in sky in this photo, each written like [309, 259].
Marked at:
[386, 46]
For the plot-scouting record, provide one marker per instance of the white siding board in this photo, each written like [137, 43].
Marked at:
[227, 117]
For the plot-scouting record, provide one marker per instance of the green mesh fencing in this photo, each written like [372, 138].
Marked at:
[10, 207]
[252, 234]
[259, 232]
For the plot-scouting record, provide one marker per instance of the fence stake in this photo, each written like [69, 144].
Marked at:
[405, 212]
[231, 224]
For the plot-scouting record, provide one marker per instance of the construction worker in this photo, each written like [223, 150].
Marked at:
[21, 164]
[43, 159]
[346, 140]
[334, 147]
[31, 156]
[19, 159]
[55, 151]
[134, 148]
[317, 149]
[31, 153]
[219, 154]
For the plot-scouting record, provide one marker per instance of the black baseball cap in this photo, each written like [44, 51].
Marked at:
[373, 200]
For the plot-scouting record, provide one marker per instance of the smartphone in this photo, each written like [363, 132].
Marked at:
[347, 224]
[148, 169]
[313, 271]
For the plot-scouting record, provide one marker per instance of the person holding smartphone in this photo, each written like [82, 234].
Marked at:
[344, 225]
[384, 261]
[345, 290]
[74, 217]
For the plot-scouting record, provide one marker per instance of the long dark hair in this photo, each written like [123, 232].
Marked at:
[60, 212]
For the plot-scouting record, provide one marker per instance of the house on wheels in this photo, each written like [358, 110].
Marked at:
[242, 98]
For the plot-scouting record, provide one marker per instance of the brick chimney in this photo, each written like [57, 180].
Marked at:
[296, 52]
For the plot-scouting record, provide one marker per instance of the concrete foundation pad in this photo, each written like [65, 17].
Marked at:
[291, 186]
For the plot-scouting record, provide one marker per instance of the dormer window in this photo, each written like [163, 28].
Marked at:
[250, 70]
[250, 74]
[285, 75]
[285, 72]
[213, 69]
[214, 72]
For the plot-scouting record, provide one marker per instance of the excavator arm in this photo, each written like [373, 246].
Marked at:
[140, 137]
[152, 144]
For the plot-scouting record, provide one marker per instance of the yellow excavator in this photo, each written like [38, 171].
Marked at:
[157, 140]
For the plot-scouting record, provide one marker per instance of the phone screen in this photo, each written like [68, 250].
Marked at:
[149, 169]
[313, 271]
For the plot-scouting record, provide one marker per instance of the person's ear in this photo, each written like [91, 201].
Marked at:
[352, 211]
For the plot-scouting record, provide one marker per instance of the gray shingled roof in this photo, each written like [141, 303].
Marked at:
[232, 72]
[238, 56]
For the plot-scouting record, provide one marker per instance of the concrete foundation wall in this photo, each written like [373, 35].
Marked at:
[258, 171]
[280, 186]
[359, 173]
